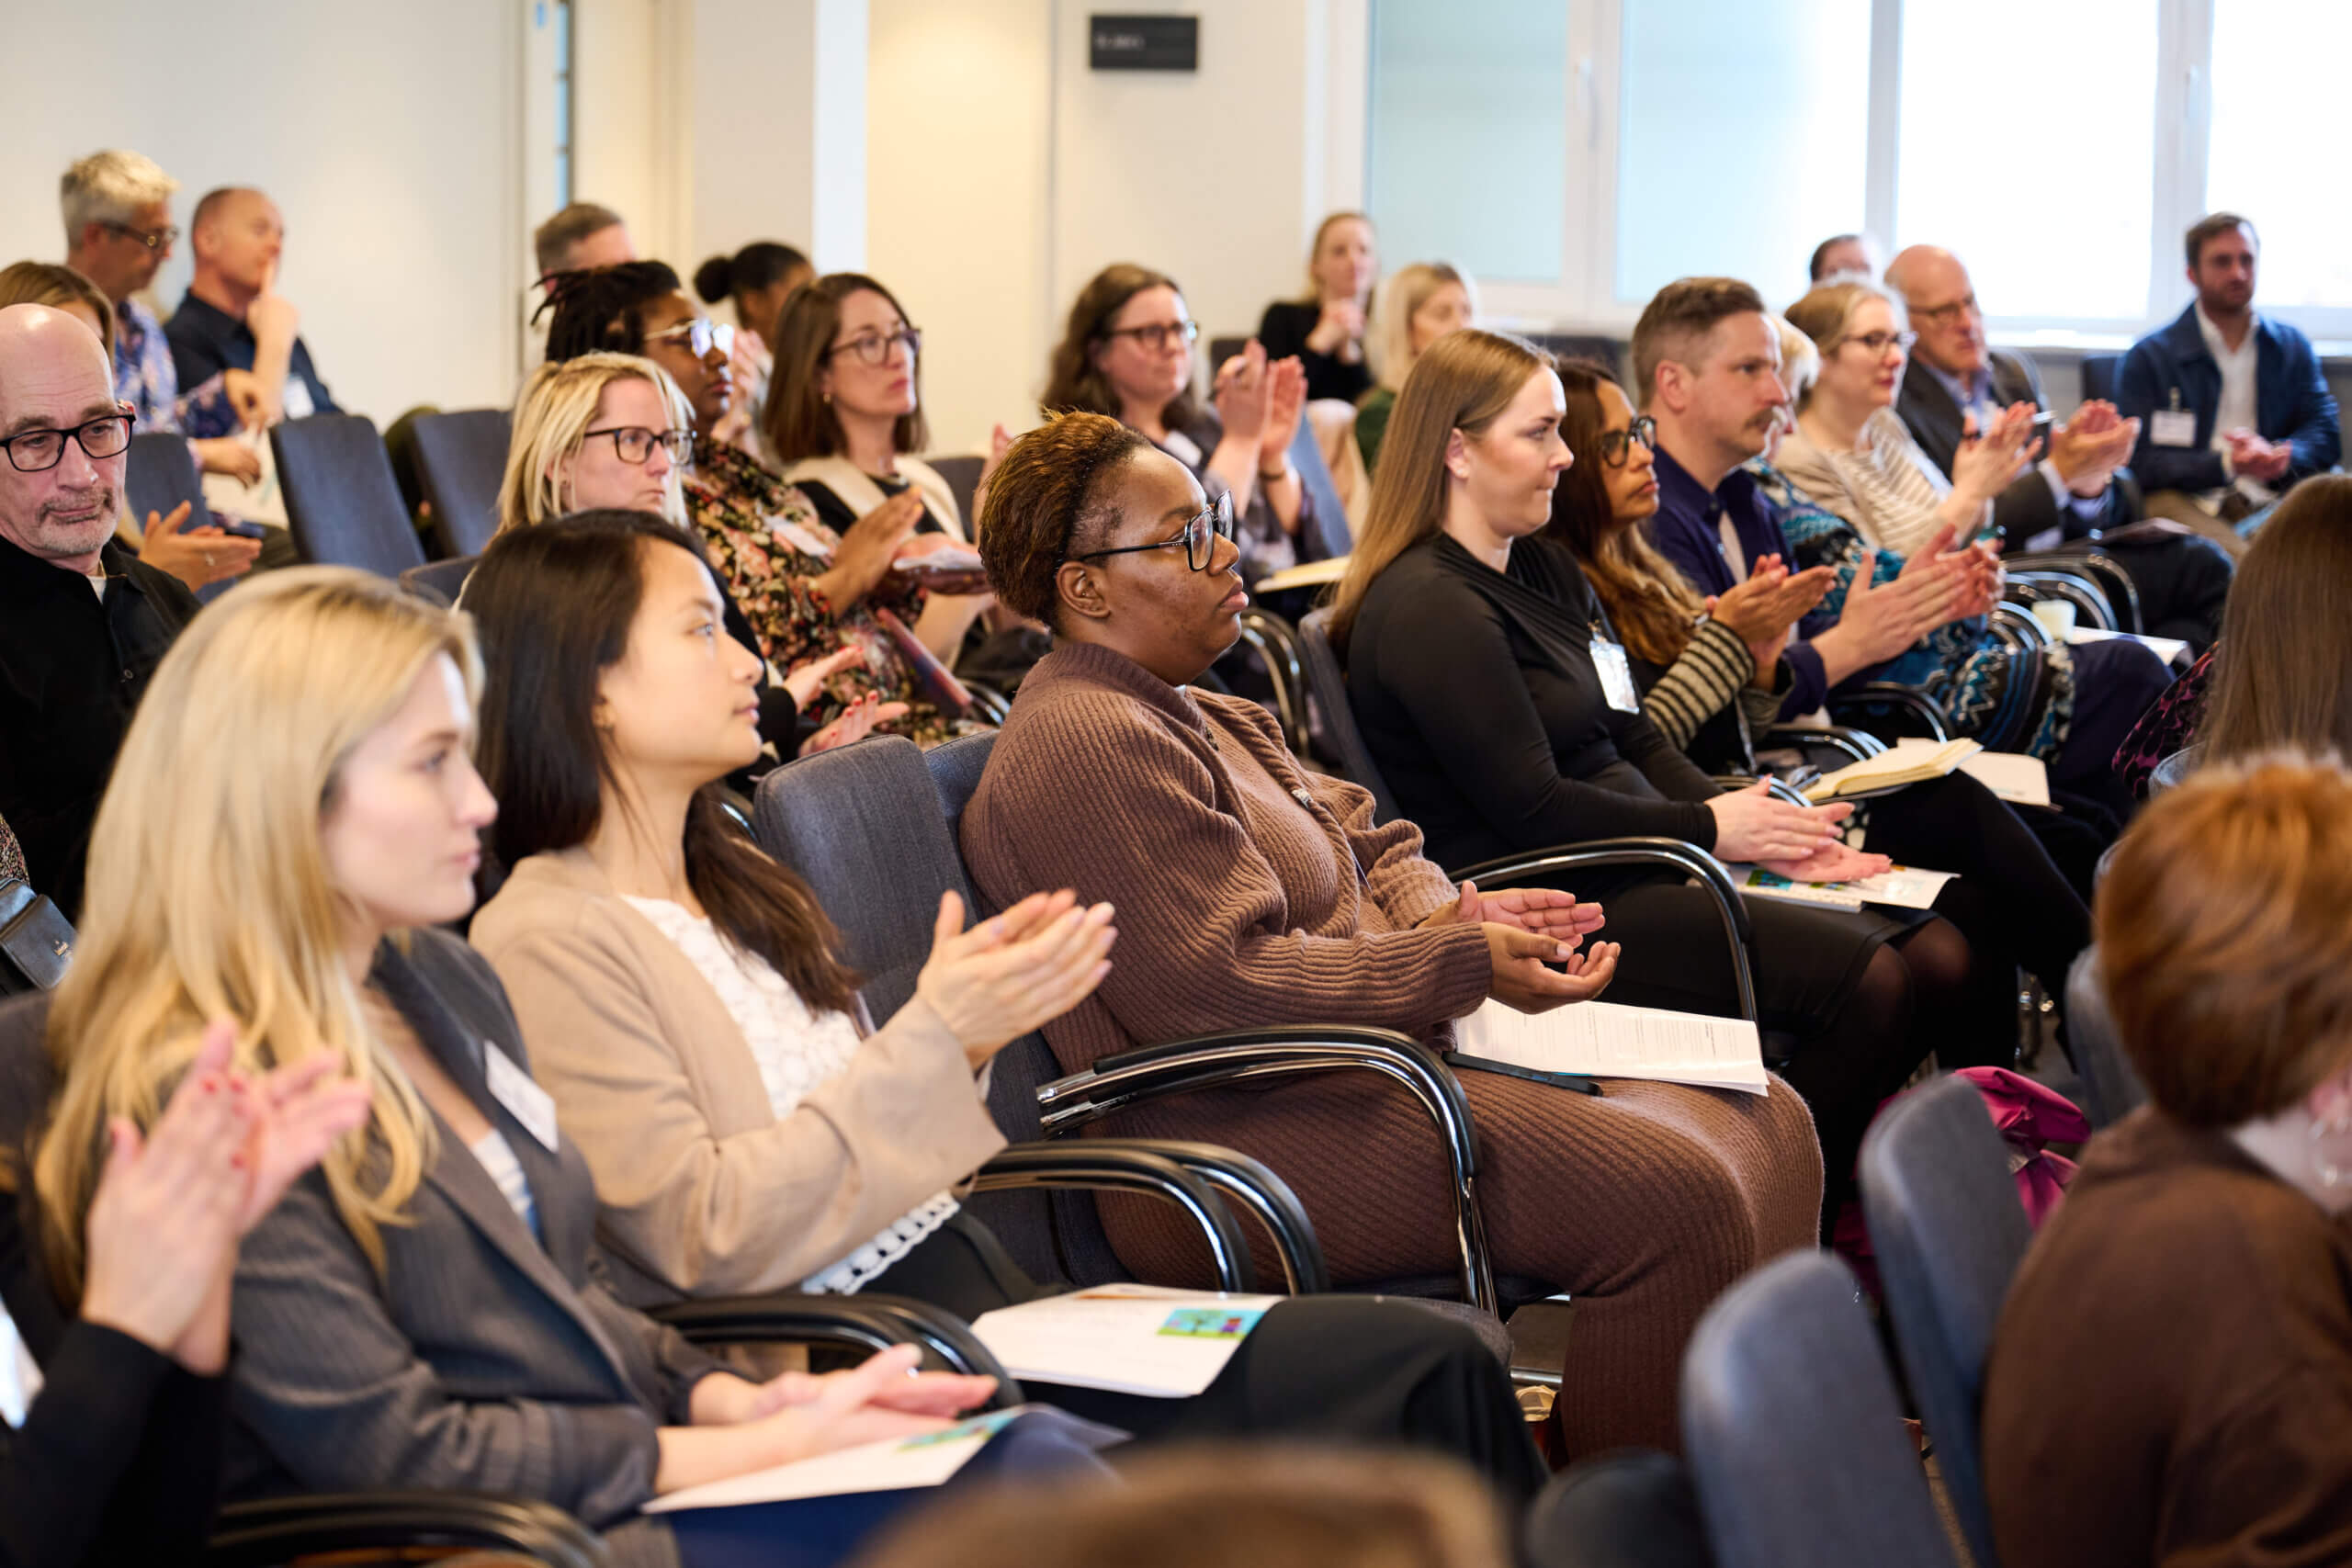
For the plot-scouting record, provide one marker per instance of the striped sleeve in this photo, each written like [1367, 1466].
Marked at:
[1696, 686]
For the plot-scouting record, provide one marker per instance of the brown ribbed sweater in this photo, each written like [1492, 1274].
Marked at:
[1234, 873]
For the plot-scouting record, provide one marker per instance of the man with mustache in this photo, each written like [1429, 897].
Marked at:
[83, 622]
[2231, 405]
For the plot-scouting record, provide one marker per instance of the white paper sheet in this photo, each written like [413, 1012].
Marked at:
[1141, 1339]
[2020, 779]
[2164, 648]
[1899, 887]
[894, 1464]
[1604, 1040]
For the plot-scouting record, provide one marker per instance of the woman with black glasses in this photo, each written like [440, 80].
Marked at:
[1127, 352]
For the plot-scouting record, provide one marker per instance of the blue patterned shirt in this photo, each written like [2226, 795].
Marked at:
[144, 378]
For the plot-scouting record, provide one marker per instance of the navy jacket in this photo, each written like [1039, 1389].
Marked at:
[206, 340]
[2172, 368]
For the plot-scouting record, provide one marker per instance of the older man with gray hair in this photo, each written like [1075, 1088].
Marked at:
[118, 231]
[83, 622]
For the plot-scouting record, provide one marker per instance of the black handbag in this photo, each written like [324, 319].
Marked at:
[36, 940]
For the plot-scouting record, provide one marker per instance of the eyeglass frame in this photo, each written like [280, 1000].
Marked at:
[1617, 445]
[1950, 311]
[679, 444]
[1221, 524]
[1903, 340]
[1189, 328]
[725, 345]
[128, 417]
[157, 240]
[875, 349]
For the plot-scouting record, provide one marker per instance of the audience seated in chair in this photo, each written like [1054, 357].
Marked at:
[756, 282]
[1126, 351]
[612, 431]
[1325, 331]
[846, 422]
[1417, 306]
[1519, 739]
[118, 1458]
[84, 623]
[2232, 406]
[233, 316]
[198, 555]
[1234, 1508]
[2171, 1381]
[747, 1129]
[2073, 496]
[1251, 892]
[119, 232]
[422, 1312]
[807, 595]
[1710, 673]
[1843, 255]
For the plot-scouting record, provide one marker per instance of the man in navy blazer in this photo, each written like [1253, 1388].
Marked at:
[2232, 406]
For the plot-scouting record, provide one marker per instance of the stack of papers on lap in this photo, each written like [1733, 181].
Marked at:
[1604, 1040]
[1140, 1340]
[2015, 777]
[1900, 886]
[891, 1465]
[1905, 765]
[2167, 648]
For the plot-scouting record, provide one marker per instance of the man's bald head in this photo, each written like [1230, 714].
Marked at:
[54, 376]
[238, 235]
[1943, 305]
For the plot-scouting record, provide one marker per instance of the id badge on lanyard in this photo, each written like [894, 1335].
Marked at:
[1616, 674]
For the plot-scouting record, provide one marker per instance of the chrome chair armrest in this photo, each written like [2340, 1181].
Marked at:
[281, 1530]
[870, 1320]
[1928, 712]
[1129, 1164]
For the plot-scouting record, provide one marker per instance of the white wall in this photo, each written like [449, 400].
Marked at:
[389, 136]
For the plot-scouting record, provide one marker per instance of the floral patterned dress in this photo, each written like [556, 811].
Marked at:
[770, 546]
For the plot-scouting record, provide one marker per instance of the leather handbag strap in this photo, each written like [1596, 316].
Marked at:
[36, 940]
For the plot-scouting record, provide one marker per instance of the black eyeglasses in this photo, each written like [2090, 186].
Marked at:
[873, 348]
[153, 239]
[1154, 336]
[635, 444]
[1616, 446]
[1876, 343]
[1939, 314]
[1211, 523]
[37, 451]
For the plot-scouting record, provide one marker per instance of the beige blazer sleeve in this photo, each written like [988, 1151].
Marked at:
[698, 1185]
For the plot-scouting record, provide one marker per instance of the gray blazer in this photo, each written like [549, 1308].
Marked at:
[483, 1359]
[2026, 507]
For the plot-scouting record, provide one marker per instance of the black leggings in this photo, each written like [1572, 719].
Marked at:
[1324, 1369]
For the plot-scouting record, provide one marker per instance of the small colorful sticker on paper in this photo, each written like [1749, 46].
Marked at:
[986, 1426]
[1210, 1323]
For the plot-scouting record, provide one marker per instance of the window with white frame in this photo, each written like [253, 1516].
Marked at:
[2061, 147]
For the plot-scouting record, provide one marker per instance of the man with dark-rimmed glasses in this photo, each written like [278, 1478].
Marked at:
[118, 231]
[83, 622]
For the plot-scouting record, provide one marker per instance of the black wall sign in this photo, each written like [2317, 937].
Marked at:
[1144, 43]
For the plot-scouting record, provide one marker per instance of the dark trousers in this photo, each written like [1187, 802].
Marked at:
[2182, 582]
[1353, 1369]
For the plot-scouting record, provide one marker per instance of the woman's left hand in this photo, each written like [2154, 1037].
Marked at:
[1285, 397]
[1831, 862]
[804, 682]
[1544, 910]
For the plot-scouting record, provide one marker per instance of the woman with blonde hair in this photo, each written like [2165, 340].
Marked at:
[422, 1311]
[1529, 732]
[613, 432]
[1325, 327]
[1419, 305]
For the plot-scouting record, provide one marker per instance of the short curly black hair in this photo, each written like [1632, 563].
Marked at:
[1044, 502]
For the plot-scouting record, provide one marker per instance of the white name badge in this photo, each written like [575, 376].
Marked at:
[1616, 676]
[524, 1101]
[800, 538]
[2173, 427]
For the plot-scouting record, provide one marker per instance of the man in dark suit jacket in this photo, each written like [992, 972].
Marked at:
[2078, 494]
[83, 622]
[2233, 407]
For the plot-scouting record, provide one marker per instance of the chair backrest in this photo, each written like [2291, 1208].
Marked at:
[2175, 767]
[342, 502]
[1606, 351]
[160, 474]
[441, 579]
[1792, 1431]
[962, 472]
[1634, 1509]
[461, 457]
[2111, 1085]
[1333, 538]
[2100, 373]
[1949, 1231]
[1330, 688]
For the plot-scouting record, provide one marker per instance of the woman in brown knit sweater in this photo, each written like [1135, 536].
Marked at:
[1251, 891]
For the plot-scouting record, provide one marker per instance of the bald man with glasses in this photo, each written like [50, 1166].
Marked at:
[83, 622]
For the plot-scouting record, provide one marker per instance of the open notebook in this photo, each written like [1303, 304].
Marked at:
[1899, 766]
[1604, 1040]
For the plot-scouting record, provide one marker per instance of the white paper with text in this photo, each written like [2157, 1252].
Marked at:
[1142, 1339]
[1605, 1040]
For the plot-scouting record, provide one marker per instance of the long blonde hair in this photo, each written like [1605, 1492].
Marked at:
[209, 894]
[1464, 382]
[1388, 338]
[552, 418]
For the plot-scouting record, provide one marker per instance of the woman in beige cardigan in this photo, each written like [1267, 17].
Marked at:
[748, 1132]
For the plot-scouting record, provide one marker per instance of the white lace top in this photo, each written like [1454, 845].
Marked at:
[796, 1051]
